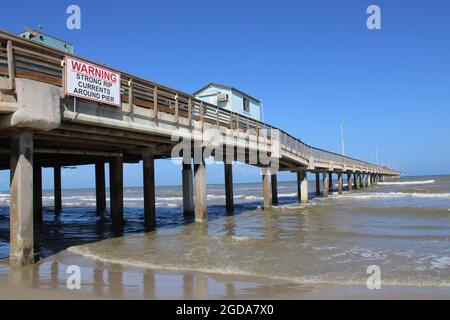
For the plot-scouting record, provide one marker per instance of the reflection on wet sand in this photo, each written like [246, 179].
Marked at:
[108, 281]
[149, 285]
[99, 282]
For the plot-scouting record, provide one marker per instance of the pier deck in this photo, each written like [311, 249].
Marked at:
[42, 127]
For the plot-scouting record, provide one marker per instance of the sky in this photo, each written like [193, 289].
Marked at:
[314, 64]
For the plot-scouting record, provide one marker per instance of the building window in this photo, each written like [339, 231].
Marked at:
[246, 103]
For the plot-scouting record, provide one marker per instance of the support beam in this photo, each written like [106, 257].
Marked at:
[267, 194]
[349, 182]
[229, 195]
[274, 183]
[355, 182]
[330, 179]
[201, 206]
[116, 190]
[340, 184]
[21, 205]
[100, 188]
[358, 181]
[302, 186]
[37, 194]
[149, 192]
[57, 189]
[317, 184]
[188, 191]
[325, 184]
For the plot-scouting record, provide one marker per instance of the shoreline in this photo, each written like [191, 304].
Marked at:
[47, 281]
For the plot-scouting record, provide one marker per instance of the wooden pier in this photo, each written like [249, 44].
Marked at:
[42, 127]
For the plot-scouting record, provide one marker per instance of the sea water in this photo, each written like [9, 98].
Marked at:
[403, 227]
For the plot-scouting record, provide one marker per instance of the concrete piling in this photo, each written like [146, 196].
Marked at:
[100, 188]
[330, 179]
[325, 184]
[57, 189]
[340, 184]
[149, 192]
[317, 183]
[229, 194]
[37, 194]
[349, 182]
[188, 190]
[116, 190]
[302, 186]
[201, 207]
[267, 194]
[21, 199]
[274, 184]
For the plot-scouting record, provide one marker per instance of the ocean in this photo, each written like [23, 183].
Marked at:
[401, 226]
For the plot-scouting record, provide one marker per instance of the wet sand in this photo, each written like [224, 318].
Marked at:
[47, 281]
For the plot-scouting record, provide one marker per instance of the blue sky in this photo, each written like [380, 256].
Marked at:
[313, 63]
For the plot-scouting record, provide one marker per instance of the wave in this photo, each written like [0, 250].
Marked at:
[324, 279]
[406, 183]
[387, 195]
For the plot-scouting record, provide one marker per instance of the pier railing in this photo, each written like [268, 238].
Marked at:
[25, 59]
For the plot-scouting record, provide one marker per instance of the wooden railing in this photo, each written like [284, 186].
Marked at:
[25, 59]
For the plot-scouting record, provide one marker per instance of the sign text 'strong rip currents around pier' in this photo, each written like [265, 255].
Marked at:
[92, 82]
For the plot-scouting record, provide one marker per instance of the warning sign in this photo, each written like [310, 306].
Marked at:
[91, 82]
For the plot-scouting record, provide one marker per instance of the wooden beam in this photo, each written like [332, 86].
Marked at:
[11, 67]
[155, 102]
[177, 115]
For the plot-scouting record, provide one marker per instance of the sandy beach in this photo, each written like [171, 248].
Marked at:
[47, 281]
[317, 251]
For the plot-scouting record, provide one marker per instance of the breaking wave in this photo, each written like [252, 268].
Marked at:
[406, 183]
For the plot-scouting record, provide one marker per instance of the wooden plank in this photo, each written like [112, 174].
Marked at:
[11, 70]
[31, 68]
[177, 115]
[130, 96]
[37, 61]
[46, 57]
[39, 77]
[155, 102]
[202, 120]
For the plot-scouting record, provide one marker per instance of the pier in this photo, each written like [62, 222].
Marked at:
[42, 127]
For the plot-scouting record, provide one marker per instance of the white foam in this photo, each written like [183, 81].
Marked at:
[294, 194]
[406, 183]
[224, 270]
[253, 198]
[387, 195]
[441, 263]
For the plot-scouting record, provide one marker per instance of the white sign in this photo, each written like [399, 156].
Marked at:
[91, 82]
